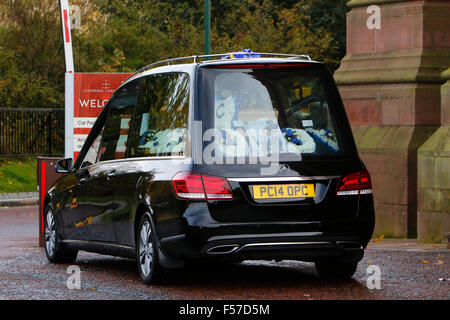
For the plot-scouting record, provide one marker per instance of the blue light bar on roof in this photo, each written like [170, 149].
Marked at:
[246, 53]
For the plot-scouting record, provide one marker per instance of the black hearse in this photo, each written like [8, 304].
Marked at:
[221, 157]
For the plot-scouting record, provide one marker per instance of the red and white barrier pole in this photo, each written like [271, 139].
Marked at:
[69, 78]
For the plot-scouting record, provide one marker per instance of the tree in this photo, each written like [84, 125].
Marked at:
[124, 35]
[30, 54]
[330, 15]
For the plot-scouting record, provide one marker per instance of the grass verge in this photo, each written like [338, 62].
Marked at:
[17, 175]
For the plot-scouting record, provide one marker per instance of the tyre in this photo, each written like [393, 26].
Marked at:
[149, 266]
[53, 250]
[336, 269]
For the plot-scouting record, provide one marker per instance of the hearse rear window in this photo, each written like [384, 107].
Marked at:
[259, 111]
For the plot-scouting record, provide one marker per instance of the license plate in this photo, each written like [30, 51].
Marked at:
[283, 191]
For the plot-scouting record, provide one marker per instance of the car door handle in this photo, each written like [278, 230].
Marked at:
[83, 176]
[110, 175]
[82, 181]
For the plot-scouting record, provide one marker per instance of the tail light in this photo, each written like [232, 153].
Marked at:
[188, 186]
[200, 187]
[217, 188]
[355, 184]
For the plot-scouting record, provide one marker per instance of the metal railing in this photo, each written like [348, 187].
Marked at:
[31, 131]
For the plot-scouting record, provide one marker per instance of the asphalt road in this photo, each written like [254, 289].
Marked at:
[26, 274]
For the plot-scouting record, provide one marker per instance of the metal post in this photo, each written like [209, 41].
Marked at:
[49, 133]
[207, 26]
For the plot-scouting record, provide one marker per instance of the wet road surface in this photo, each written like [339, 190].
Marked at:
[26, 274]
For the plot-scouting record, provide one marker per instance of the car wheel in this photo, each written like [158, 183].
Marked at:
[53, 250]
[336, 269]
[150, 269]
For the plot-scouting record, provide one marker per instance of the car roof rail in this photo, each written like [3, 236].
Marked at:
[222, 56]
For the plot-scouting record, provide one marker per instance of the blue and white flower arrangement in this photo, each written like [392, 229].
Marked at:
[324, 136]
[166, 141]
[300, 140]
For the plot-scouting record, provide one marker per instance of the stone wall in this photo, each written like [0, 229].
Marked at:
[434, 176]
[390, 82]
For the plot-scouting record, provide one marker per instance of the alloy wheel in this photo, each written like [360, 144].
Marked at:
[146, 249]
[50, 233]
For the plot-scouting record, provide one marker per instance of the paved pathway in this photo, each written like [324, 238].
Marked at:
[18, 199]
[408, 271]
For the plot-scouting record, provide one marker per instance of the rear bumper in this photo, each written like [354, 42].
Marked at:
[196, 235]
[290, 246]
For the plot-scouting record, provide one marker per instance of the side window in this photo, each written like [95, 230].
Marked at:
[118, 121]
[161, 116]
[91, 155]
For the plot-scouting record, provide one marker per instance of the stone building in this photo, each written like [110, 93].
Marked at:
[392, 81]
